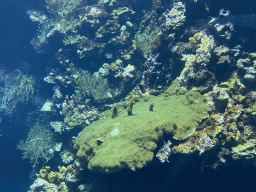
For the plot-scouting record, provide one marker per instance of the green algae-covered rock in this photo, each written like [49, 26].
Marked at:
[110, 144]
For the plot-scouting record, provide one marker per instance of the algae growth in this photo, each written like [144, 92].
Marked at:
[128, 141]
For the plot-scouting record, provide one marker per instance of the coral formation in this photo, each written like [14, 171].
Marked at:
[203, 45]
[144, 40]
[176, 111]
[18, 88]
[39, 144]
[175, 17]
[92, 85]
[54, 181]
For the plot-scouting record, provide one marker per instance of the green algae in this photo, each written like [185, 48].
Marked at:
[176, 112]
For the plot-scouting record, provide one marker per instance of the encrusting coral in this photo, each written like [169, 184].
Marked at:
[175, 111]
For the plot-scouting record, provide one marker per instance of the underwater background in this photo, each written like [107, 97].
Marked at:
[109, 95]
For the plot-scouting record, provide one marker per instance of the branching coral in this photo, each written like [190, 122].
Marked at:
[38, 144]
[144, 40]
[92, 85]
[63, 19]
[18, 88]
[62, 8]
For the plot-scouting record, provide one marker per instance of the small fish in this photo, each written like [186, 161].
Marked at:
[127, 78]
[109, 55]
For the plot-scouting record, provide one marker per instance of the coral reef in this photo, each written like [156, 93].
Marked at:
[49, 181]
[111, 76]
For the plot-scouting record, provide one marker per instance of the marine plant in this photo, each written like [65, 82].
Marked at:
[62, 18]
[144, 40]
[38, 144]
[18, 88]
[92, 85]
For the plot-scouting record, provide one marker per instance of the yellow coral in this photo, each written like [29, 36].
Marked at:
[59, 177]
[63, 170]
[44, 172]
[52, 176]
